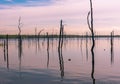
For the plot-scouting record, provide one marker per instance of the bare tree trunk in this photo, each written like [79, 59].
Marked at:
[112, 48]
[19, 25]
[40, 33]
[61, 35]
[19, 44]
[47, 50]
[61, 61]
[47, 41]
[90, 25]
[7, 52]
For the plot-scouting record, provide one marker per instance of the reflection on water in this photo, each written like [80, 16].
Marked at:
[4, 51]
[7, 52]
[81, 43]
[61, 62]
[5, 46]
[112, 49]
[69, 64]
[20, 53]
[87, 46]
[93, 61]
[47, 50]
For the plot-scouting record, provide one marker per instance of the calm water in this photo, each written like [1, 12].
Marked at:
[32, 63]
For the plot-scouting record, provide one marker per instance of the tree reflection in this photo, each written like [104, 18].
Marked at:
[19, 43]
[93, 64]
[86, 46]
[61, 62]
[112, 50]
[60, 45]
[4, 50]
[47, 50]
[7, 52]
[90, 25]
[6, 57]
[81, 45]
[20, 52]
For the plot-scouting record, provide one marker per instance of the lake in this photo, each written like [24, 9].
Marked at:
[32, 62]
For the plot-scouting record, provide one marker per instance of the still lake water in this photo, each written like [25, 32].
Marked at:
[32, 63]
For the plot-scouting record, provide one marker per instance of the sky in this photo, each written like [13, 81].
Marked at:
[46, 14]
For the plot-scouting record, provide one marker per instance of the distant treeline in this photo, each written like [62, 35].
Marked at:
[55, 36]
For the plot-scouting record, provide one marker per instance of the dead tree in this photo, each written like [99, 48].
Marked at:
[61, 61]
[19, 36]
[19, 42]
[47, 41]
[61, 35]
[47, 49]
[112, 47]
[35, 32]
[7, 51]
[19, 33]
[40, 33]
[90, 23]
[19, 25]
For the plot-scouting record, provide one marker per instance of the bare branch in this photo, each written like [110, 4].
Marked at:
[40, 31]
[88, 20]
[19, 25]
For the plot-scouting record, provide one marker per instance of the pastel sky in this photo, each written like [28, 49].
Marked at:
[46, 14]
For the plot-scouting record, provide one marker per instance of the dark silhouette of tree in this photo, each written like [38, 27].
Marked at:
[7, 52]
[19, 25]
[39, 33]
[61, 35]
[90, 25]
[61, 60]
[112, 47]
[90, 22]
[47, 50]
[19, 43]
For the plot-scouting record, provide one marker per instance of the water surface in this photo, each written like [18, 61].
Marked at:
[32, 63]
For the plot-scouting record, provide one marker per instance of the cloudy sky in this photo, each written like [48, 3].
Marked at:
[46, 14]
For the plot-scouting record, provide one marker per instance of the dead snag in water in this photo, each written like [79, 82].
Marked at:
[40, 33]
[112, 48]
[4, 50]
[47, 41]
[19, 25]
[7, 51]
[90, 23]
[61, 35]
[19, 33]
[47, 50]
[61, 61]
[35, 32]
[19, 36]
[19, 43]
